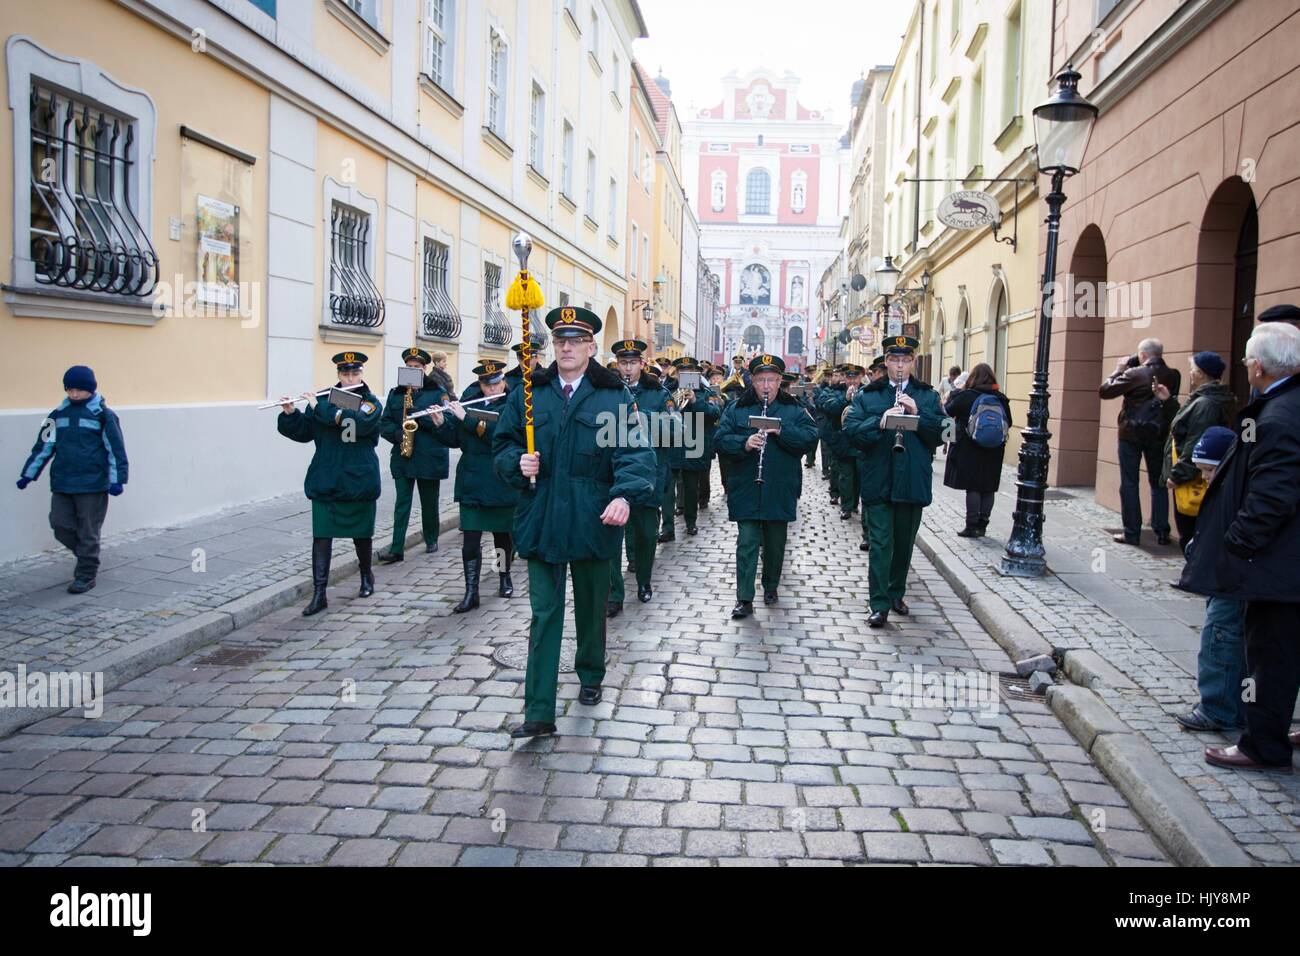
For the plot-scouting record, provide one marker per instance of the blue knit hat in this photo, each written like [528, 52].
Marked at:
[1211, 363]
[80, 376]
[1214, 444]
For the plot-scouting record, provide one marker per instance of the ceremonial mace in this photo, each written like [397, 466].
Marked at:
[525, 294]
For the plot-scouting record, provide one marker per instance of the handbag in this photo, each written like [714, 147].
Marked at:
[1187, 496]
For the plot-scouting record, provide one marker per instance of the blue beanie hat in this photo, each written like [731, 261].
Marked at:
[80, 376]
[1214, 444]
[1211, 363]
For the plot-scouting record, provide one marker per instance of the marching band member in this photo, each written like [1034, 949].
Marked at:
[419, 456]
[708, 407]
[585, 490]
[896, 471]
[343, 478]
[642, 528]
[486, 502]
[764, 479]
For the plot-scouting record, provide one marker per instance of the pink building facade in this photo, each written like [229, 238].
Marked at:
[766, 177]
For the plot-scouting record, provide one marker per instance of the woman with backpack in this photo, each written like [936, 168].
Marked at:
[974, 465]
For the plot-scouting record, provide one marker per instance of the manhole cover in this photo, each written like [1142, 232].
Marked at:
[1015, 687]
[515, 655]
[234, 656]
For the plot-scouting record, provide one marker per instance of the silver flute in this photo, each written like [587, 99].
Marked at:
[763, 449]
[300, 398]
[447, 407]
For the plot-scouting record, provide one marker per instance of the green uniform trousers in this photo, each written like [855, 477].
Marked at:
[668, 506]
[826, 459]
[546, 586]
[846, 483]
[640, 535]
[705, 479]
[686, 485]
[429, 517]
[892, 533]
[753, 537]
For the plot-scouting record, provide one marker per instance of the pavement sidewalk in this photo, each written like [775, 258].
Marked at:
[163, 592]
[1116, 601]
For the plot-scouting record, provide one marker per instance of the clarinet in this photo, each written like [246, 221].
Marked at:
[898, 432]
[762, 450]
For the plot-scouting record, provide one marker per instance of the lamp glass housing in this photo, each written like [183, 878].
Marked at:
[1063, 125]
[887, 277]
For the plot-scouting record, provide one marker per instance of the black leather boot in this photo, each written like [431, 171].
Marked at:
[320, 575]
[363, 563]
[470, 601]
[507, 588]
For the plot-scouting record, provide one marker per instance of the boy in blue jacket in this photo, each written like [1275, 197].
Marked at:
[84, 439]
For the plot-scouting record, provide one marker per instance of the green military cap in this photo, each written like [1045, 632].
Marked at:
[569, 321]
[490, 372]
[350, 361]
[652, 370]
[853, 369]
[533, 341]
[876, 362]
[686, 364]
[766, 363]
[901, 344]
[414, 353]
[630, 348]
[735, 385]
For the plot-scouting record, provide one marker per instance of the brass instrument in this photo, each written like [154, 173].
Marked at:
[409, 428]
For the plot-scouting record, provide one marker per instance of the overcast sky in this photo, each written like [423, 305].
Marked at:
[827, 43]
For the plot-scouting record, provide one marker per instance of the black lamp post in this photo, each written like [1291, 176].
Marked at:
[1062, 127]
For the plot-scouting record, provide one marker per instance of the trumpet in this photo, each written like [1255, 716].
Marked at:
[301, 398]
[444, 408]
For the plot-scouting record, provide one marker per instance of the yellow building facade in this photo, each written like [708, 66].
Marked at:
[212, 198]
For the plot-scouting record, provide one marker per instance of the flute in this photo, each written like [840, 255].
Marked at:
[444, 408]
[763, 449]
[301, 398]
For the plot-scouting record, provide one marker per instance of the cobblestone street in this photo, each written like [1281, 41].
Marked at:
[374, 734]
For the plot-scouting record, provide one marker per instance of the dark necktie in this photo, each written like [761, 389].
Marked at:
[568, 394]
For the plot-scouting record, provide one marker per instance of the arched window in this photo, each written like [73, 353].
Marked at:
[1000, 327]
[755, 286]
[794, 341]
[758, 192]
[963, 334]
[754, 338]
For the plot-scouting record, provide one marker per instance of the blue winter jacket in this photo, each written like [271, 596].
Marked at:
[85, 441]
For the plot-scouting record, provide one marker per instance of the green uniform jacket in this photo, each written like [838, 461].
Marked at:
[776, 499]
[580, 475]
[652, 399]
[710, 406]
[340, 470]
[886, 475]
[429, 457]
[477, 484]
[831, 403]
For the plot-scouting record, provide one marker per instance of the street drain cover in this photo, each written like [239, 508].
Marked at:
[515, 655]
[1017, 688]
[234, 656]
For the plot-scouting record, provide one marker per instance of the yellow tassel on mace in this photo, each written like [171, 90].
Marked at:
[524, 293]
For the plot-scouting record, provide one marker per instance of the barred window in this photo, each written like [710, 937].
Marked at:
[441, 319]
[496, 327]
[758, 192]
[84, 229]
[354, 297]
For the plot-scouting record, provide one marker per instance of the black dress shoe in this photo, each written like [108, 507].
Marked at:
[900, 606]
[1164, 539]
[589, 696]
[631, 567]
[665, 536]
[613, 608]
[1125, 539]
[692, 530]
[970, 531]
[878, 619]
[1195, 719]
[865, 546]
[679, 512]
[431, 547]
[388, 557]
[81, 585]
[846, 515]
[644, 592]
[742, 609]
[769, 597]
[835, 499]
[532, 728]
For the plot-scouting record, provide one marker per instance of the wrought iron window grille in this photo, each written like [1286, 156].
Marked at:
[84, 230]
[496, 327]
[440, 320]
[354, 297]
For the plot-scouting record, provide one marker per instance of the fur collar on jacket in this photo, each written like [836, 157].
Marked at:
[597, 374]
[751, 398]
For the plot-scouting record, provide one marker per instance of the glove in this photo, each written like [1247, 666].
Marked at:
[115, 489]
[23, 483]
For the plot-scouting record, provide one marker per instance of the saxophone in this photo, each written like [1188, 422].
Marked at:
[409, 427]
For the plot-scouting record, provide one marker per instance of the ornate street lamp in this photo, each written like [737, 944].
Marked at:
[1062, 127]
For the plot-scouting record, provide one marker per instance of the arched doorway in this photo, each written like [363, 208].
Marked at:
[610, 333]
[1226, 260]
[794, 341]
[998, 318]
[962, 345]
[1078, 339]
